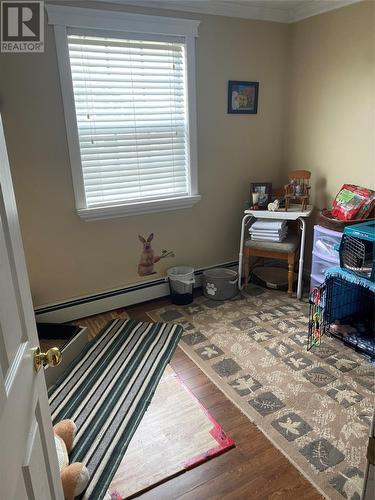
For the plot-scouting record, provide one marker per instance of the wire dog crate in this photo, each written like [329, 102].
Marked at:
[344, 310]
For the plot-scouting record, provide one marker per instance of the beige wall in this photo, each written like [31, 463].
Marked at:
[68, 257]
[330, 118]
[316, 111]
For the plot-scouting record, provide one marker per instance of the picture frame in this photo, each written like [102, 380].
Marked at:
[243, 97]
[265, 193]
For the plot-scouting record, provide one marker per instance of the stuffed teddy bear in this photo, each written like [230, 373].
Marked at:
[74, 477]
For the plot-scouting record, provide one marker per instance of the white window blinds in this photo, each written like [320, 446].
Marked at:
[130, 102]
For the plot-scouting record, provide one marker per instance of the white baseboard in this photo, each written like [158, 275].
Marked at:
[69, 310]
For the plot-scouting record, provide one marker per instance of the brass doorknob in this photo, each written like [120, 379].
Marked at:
[52, 357]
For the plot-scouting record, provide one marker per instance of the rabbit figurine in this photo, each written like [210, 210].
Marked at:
[147, 261]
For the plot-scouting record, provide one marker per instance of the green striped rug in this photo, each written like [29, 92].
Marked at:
[106, 391]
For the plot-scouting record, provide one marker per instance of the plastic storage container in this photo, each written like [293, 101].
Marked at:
[320, 265]
[326, 243]
[220, 283]
[181, 283]
[325, 253]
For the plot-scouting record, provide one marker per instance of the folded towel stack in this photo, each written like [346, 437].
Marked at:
[268, 230]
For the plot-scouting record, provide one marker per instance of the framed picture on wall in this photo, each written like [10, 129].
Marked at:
[243, 97]
[264, 191]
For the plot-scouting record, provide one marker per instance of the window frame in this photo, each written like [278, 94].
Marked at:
[104, 22]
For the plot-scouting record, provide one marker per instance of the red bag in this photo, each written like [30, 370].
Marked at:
[353, 202]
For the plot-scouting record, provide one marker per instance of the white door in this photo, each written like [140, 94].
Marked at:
[28, 460]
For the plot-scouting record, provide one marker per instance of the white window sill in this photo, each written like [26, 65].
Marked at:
[138, 208]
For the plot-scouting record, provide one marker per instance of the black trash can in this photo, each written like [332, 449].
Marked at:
[181, 283]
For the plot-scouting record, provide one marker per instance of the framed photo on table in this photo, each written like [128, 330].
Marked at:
[264, 190]
[243, 97]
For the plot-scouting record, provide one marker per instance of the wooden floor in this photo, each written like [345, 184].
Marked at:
[252, 470]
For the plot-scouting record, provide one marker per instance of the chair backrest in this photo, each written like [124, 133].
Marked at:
[278, 192]
[299, 174]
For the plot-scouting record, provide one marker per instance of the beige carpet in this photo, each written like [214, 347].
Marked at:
[175, 434]
[314, 406]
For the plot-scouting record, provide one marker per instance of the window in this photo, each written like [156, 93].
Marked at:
[132, 119]
[129, 109]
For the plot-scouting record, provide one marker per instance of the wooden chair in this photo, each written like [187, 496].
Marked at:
[286, 250]
[298, 188]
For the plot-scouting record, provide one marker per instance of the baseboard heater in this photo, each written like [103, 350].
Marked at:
[88, 305]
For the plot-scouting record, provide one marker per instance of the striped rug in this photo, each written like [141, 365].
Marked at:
[106, 391]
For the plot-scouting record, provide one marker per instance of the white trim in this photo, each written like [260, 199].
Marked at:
[317, 7]
[125, 35]
[70, 114]
[243, 10]
[123, 299]
[64, 18]
[230, 9]
[76, 17]
[145, 207]
[191, 99]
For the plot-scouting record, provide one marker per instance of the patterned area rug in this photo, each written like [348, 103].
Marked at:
[316, 406]
[176, 434]
[106, 391]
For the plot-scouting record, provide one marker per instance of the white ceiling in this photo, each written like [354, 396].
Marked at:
[285, 11]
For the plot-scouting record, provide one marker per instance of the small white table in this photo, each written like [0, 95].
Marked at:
[294, 213]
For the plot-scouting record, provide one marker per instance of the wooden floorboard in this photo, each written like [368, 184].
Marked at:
[254, 470]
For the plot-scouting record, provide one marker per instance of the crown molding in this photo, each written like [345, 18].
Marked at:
[316, 7]
[227, 9]
[249, 10]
